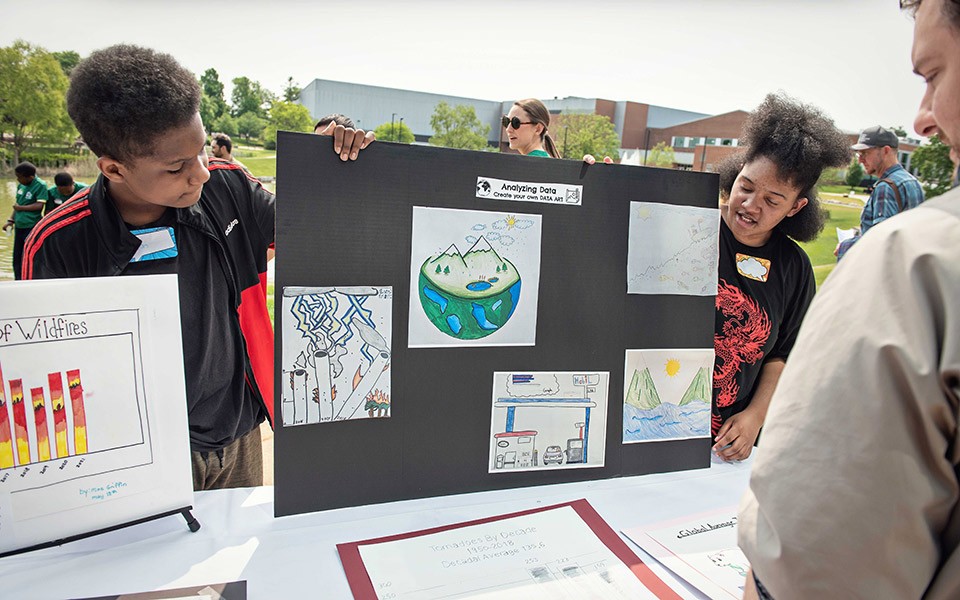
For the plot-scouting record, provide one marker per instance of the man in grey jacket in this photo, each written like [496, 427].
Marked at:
[855, 491]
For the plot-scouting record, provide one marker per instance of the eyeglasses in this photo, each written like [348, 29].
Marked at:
[515, 122]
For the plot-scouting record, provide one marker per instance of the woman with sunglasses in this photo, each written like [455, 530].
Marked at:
[765, 283]
[526, 126]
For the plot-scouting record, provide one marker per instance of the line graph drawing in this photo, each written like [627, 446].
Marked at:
[672, 249]
[336, 353]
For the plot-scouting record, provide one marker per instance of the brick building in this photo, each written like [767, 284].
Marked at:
[699, 141]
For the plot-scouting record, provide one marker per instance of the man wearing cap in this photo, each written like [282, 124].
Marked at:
[897, 189]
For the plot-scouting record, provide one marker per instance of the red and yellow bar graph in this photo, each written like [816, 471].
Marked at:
[79, 415]
[16, 448]
[40, 423]
[20, 421]
[59, 413]
[6, 438]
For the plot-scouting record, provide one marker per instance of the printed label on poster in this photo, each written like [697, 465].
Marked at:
[527, 191]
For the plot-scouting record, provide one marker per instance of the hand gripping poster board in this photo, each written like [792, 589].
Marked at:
[451, 321]
[93, 423]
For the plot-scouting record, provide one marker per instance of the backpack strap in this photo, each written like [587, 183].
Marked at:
[896, 193]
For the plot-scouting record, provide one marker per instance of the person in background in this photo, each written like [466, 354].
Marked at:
[856, 490]
[32, 195]
[221, 146]
[335, 118]
[896, 191]
[335, 125]
[63, 188]
[765, 279]
[526, 125]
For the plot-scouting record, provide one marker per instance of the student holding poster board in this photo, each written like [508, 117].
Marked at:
[765, 279]
[159, 206]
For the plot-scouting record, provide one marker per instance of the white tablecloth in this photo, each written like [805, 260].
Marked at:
[296, 557]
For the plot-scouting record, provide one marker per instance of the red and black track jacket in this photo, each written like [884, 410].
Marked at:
[234, 220]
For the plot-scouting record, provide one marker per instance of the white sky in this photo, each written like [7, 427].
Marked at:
[849, 57]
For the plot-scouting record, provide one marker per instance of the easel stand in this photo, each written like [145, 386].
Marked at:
[192, 524]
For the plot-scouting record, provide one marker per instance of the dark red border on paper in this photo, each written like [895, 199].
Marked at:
[362, 587]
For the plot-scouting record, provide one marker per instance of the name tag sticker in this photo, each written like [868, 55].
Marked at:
[155, 243]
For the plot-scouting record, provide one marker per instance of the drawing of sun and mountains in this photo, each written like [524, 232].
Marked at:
[469, 296]
[667, 395]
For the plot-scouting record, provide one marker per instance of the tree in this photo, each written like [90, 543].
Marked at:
[225, 124]
[855, 173]
[287, 116]
[68, 59]
[394, 132]
[291, 91]
[250, 125]
[933, 163]
[661, 155]
[207, 112]
[32, 97]
[576, 134]
[250, 96]
[899, 130]
[211, 85]
[212, 104]
[458, 127]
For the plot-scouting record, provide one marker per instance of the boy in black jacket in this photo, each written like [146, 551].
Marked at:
[159, 206]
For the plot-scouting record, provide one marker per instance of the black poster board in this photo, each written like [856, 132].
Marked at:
[349, 224]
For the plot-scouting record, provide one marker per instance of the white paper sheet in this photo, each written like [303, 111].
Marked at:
[672, 249]
[474, 278]
[548, 420]
[667, 394]
[701, 550]
[547, 555]
[336, 352]
[93, 423]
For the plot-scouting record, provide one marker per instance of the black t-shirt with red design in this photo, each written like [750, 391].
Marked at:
[762, 295]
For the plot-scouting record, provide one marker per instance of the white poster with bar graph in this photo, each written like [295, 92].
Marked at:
[93, 423]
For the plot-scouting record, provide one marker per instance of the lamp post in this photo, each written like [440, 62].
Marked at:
[646, 145]
[392, 117]
[400, 133]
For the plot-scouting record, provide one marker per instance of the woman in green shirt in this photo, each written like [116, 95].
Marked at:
[526, 126]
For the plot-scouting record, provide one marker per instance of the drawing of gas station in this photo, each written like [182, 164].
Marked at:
[518, 449]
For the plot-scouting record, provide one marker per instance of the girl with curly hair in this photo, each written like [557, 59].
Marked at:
[766, 283]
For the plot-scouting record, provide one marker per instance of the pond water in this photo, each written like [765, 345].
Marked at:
[477, 286]
[8, 192]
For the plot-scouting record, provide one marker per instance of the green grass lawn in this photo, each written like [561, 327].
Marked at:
[261, 162]
[820, 250]
[261, 166]
[840, 189]
[270, 301]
